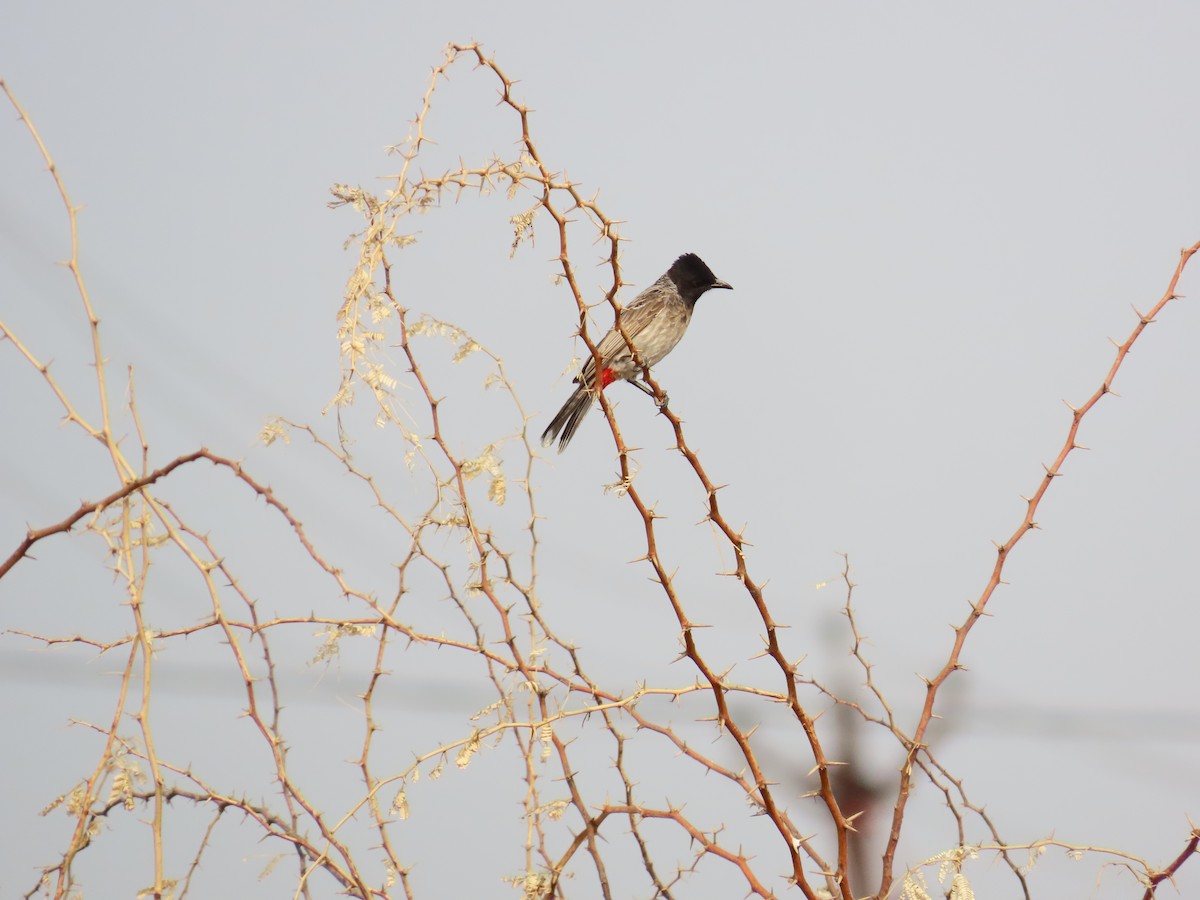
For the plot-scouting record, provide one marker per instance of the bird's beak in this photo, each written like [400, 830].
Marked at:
[723, 284]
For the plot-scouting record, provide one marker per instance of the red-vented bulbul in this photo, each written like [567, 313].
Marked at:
[654, 322]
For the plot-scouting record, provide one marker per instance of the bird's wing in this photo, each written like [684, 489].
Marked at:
[634, 318]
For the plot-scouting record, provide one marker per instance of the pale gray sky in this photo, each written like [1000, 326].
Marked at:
[934, 216]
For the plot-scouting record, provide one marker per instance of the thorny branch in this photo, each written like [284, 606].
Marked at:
[915, 745]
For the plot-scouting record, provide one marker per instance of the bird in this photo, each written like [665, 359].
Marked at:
[654, 323]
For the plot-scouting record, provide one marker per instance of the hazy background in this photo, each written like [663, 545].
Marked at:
[934, 216]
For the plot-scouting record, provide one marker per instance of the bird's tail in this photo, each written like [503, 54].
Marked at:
[568, 419]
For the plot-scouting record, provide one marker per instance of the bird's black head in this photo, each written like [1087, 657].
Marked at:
[693, 277]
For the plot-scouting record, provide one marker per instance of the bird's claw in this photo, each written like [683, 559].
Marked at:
[662, 404]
